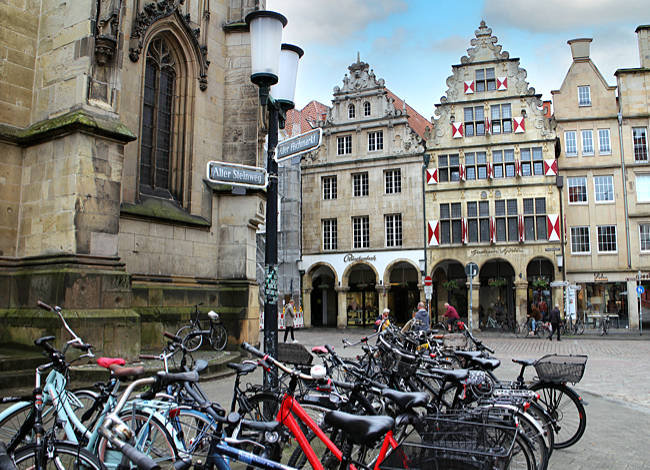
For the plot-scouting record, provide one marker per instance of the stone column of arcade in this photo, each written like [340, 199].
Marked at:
[476, 321]
[341, 296]
[382, 295]
[306, 305]
[521, 300]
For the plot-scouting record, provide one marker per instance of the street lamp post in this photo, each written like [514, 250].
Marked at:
[274, 68]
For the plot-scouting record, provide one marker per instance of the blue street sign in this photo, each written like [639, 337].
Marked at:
[640, 290]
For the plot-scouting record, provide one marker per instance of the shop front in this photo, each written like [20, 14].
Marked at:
[362, 301]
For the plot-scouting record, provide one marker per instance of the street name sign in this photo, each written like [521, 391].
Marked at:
[298, 145]
[235, 174]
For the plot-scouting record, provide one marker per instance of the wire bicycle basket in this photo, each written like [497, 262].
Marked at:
[559, 368]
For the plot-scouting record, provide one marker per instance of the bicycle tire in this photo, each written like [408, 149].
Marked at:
[74, 457]
[193, 343]
[151, 437]
[522, 330]
[543, 418]
[579, 328]
[194, 431]
[565, 407]
[218, 337]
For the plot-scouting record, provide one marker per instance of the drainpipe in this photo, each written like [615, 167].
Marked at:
[624, 179]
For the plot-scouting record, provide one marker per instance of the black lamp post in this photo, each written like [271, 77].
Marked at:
[274, 70]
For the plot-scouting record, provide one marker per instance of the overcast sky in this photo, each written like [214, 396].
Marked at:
[412, 44]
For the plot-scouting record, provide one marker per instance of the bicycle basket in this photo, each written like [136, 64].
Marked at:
[454, 442]
[294, 353]
[561, 368]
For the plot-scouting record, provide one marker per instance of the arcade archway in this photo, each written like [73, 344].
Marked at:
[497, 295]
[449, 285]
[324, 308]
[403, 292]
[540, 272]
[361, 299]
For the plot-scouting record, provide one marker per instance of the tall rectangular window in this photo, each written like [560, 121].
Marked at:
[604, 188]
[393, 224]
[360, 184]
[513, 220]
[475, 166]
[360, 232]
[375, 141]
[501, 220]
[450, 223]
[509, 157]
[577, 187]
[484, 220]
[393, 180]
[329, 187]
[485, 80]
[474, 121]
[344, 145]
[497, 164]
[329, 234]
[639, 135]
[472, 221]
[642, 185]
[584, 96]
[526, 162]
[580, 240]
[535, 218]
[570, 144]
[604, 144]
[448, 168]
[644, 237]
[607, 239]
[501, 115]
[587, 142]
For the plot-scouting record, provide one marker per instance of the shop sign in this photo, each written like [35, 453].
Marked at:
[600, 277]
[504, 251]
[351, 258]
[643, 277]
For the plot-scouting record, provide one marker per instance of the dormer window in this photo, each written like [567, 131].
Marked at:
[366, 108]
[351, 112]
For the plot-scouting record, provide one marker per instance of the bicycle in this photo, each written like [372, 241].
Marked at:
[569, 327]
[192, 335]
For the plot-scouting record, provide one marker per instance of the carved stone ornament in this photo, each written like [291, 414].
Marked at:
[158, 10]
[105, 48]
[107, 30]
[361, 77]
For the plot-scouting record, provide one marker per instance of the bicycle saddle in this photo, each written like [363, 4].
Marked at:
[169, 378]
[406, 400]
[455, 375]
[106, 362]
[486, 362]
[214, 316]
[524, 362]
[360, 429]
[468, 354]
[242, 369]
[319, 350]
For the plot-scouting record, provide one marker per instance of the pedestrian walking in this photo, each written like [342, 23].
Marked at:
[452, 316]
[555, 322]
[421, 318]
[289, 315]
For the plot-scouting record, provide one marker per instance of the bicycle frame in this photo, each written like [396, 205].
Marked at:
[290, 406]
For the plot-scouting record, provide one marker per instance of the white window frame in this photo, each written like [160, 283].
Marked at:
[598, 178]
[573, 235]
[581, 95]
[647, 227]
[643, 146]
[375, 141]
[360, 232]
[587, 140]
[574, 152]
[647, 185]
[393, 181]
[393, 230]
[601, 140]
[330, 234]
[329, 187]
[360, 184]
[345, 143]
[608, 252]
[569, 186]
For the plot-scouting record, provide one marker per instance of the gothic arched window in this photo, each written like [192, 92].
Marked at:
[157, 133]
[351, 112]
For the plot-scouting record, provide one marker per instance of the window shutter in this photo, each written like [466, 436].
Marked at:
[461, 172]
[469, 87]
[433, 233]
[550, 167]
[457, 130]
[553, 226]
[432, 176]
[517, 167]
[489, 170]
[519, 124]
[464, 236]
[493, 231]
[502, 83]
[520, 228]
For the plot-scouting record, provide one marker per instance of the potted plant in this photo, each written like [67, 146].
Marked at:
[497, 282]
[451, 284]
[540, 283]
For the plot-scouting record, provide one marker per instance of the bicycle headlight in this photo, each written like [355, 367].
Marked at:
[271, 437]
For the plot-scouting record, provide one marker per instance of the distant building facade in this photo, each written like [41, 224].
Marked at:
[362, 230]
[491, 195]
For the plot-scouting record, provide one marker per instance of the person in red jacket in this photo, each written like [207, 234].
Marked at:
[452, 316]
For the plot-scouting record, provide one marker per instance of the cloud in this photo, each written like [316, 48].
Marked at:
[332, 21]
[391, 44]
[454, 44]
[561, 15]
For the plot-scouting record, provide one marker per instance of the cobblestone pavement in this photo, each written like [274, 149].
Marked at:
[615, 387]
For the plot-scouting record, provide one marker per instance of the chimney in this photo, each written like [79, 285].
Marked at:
[580, 48]
[643, 37]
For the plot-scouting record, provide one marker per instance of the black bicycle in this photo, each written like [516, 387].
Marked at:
[192, 335]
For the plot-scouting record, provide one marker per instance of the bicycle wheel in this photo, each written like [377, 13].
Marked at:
[218, 337]
[522, 330]
[85, 412]
[194, 431]
[151, 438]
[565, 408]
[522, 456]
[63, 455]
[544, 419]
[193, 343]
[579, 327]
